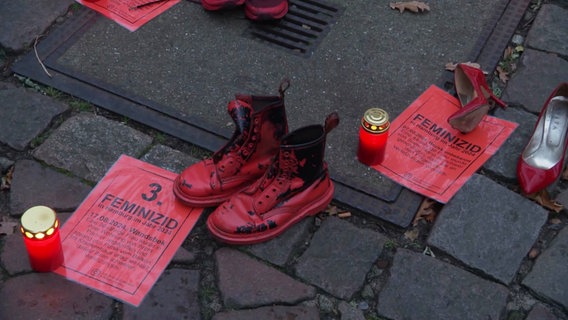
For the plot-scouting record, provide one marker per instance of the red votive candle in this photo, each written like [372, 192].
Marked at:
[40, 228]
[373, 135]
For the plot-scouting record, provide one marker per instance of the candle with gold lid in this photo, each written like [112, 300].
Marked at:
[40, 228]
[373, 135]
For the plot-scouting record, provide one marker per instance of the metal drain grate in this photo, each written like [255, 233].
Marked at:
[301, 29]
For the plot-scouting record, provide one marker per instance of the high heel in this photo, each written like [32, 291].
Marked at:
[475, 96]
[542, 159]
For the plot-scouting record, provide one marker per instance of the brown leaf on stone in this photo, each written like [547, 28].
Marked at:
[555, 221]
[533, 253]
[412, 234]
[564, 175]
[414, 6]
[508, 52]
[7, 179]
[427, 211]
[503, 75]
[543, 198]
[331, 210]
[345, 214]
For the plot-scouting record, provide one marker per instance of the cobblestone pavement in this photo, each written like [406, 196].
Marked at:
[490, 254]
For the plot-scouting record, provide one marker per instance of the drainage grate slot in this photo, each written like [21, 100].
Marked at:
[301, 29]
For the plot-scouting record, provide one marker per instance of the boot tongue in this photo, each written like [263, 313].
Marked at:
[240, 110]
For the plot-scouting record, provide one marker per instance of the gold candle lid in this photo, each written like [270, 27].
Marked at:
[375, 120]
[39, 222]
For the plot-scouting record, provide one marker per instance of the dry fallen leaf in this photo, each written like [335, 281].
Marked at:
[503, 75]
[533, 253]
[555, 221]
[7, 179]
[450, 66]
[331, 210]
[427, 211]
[412, 234]
[414, 6]
[345, 214]
[508, 52]
[543, 198]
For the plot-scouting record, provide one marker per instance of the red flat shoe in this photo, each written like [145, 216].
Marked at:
[266, 9]
[542, 159]
[475, 97]
[214, 5]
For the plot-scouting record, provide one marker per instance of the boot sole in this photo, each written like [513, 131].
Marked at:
[314, 208]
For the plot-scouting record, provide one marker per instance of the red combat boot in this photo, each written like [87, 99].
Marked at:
[296, 185]
[260, 124]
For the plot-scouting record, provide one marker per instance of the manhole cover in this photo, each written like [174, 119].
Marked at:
[301, 29]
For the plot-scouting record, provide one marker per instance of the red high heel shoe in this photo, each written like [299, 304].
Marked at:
[475, 97]
[542, 159]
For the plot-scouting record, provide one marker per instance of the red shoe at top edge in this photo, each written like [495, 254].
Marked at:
[542, 160]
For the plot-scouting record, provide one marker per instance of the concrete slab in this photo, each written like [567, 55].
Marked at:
[52, 297]
[272, 312]
[504, 161]
[549, 275]
[538, 74]
[88, 145]
[25, 114]
[326, 264]
[492, 236]
[34, 185]
[421, 287]
[245, 282]
[173, 297]
[22, 33]
[372, 56]
[168, 158]
[278, 250]
[550, 30]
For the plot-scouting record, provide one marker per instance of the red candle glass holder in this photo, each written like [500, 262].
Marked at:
[40, 228]
[373, 135]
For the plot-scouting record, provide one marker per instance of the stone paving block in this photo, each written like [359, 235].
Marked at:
[549, 31]
[504, 161]
[28, 19]
[538, 74]
[339, 257]
[173, 297]
[88, 145]
[245, 282]
[272, 312]
[50, 296]
[422, 287]
[14, 256]
[25, 114]
[488, 227]
[34, 184]
[549, 275]
[278, 250]
[183, 256]
[168, 158]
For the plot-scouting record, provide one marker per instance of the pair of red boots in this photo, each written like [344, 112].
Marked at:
[264, 179]
[254, 9]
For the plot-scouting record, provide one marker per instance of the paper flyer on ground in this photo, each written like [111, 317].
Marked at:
[131, 14]
[425, 154]
[126, 231]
